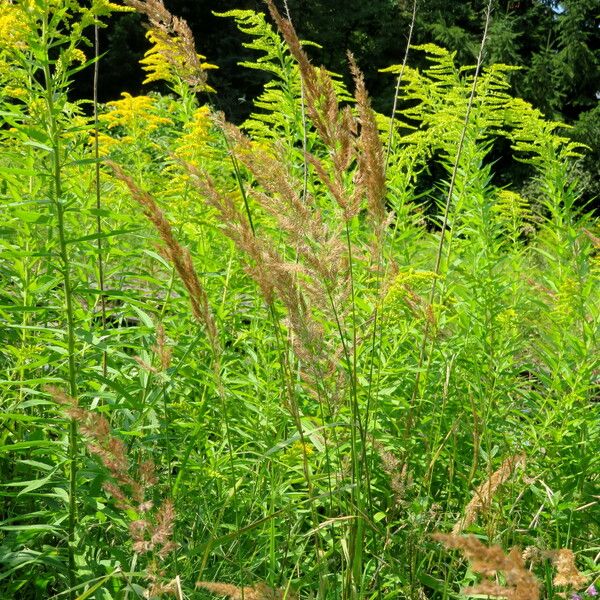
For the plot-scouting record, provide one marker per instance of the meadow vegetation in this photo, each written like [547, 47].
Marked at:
[276, 360]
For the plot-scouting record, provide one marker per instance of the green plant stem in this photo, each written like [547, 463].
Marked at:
[358, 461]
[285, 370]
[100, 257]
[67, 288]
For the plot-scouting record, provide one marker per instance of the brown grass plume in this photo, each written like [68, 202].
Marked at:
[260, 591]
[175, 253]
[488, 561]
[483, 495]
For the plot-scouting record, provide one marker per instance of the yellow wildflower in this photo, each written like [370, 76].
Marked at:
[513, 211]
[404, 281]
[13, 36]
[102, 8]
[508, 317]
[595, 264]
[193, 144]
[169, 60]
[69, 57]
[132, 112]
[568, 296]
[135, 115]
[295, 453]
[15, 92]
[13, 27]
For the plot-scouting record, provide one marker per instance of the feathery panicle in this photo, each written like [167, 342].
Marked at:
[370, 177]
[260, 591]
[321, 101]
[317, 244]
[238, 229]
[488, 561]
[567, 574]
[153, 531]
[335, 127]
[161, 349]
[162, 534]
[299, 287]
[158, 588]
[110, 450]
[396, 471]
[347, 138]
[179, 256]
[594, 239]
[350, 204]
[146, 366]
[483, 495]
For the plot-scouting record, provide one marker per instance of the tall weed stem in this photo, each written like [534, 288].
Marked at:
[56, 195]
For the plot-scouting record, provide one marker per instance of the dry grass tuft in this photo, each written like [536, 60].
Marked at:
[488, 561]
[567, 574]
[484, 494]
[260, 591]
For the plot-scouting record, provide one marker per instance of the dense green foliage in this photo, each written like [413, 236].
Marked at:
[247, 357]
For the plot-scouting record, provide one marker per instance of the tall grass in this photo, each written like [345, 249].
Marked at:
[276, 360]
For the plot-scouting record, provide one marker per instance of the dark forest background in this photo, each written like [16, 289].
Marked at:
[557, 44]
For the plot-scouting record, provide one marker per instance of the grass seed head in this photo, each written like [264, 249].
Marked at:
[484, 494]
[489, 561]
[260, 591]
[567, 574]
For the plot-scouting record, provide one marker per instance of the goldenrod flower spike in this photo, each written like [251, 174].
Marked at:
[173, 57]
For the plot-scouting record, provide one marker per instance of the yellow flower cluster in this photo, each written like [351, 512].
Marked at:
[20, 20]
[514, 211]
[193, 145]
[67, 58]
[595, 264]
[508, 319]
[15, 92]
[13, 26]
[13, 35]
[294, 455]
[168, 61]
[135, 115]
[404, 281]
[102, 8]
